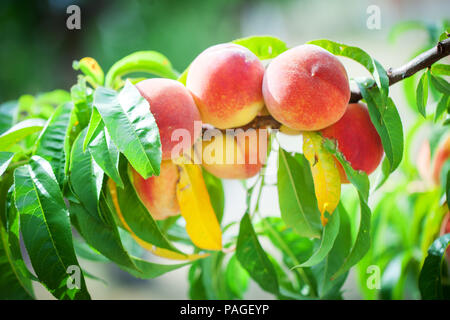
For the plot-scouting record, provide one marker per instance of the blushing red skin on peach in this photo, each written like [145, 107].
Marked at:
[357, 139]
[306, 88]
[442, 154]
[173, 108]
[224, 80]
[158, 193]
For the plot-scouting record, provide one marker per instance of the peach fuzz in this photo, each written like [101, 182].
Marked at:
[234, 156]
[225, 81]
[306, 88]
[357, 139]
[158, 193]
[173, 108]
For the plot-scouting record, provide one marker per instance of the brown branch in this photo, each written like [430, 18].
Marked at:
[422, 61]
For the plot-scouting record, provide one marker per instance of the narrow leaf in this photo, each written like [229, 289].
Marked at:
[132, 127]
[86, 177]
[327, 181]
[202, 225]
[253, 258]
[430, 280]
[422, 93]
[142, 61]
[264, 47]
[5, 159]
[106, 154]
[330, 232]
[441, 84]
[297, 200]
[45, 226]
[53, 143]
[19, 132]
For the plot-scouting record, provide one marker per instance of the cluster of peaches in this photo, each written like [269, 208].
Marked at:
[306, 88]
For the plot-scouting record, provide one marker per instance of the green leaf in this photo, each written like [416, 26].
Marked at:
[442, 106]
[422, 93]
[82, 98]
[264, 47]
[14, 276]
[136, 215]
[297, 200]
[213, 278]
[362, 242]
[183, 77]
[101, 234]
[362, 185]
[216, 193]
[87, 252]
[45, 227]
[330, 232]
[326, 287]
[430, 280]
[253, 258]
[8, 115]
[440, 69]
[86, 177]
[106, 154]
[19, 132]
[94, 122]
[5, 159]
[237, 277]
[150, 270]
[387, 122]
[142, 61]
[53, 143]
[132, 127]
[440, 84]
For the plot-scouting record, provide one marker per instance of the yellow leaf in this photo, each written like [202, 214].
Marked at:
[160, 252]
[195, 206]
[327, 182]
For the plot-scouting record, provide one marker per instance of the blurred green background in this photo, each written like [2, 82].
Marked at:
[37, 51]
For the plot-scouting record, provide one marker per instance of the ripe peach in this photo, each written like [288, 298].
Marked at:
[158, 193]
[173, 108]
[357, 139]
[238, 155]
[225, 81]
[441, 156]
[306, 88]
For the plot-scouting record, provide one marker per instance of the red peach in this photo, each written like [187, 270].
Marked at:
[173, 108]
[306, 88]
[225, 81]
[357, 139]
[158, 193]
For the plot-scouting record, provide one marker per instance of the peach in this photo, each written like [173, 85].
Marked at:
[158, 193]
[306, 88]
[173, 108]
[441, 156]
[225, 81]
[357, 139]
[238, 155]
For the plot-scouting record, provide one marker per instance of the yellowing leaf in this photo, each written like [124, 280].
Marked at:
[160, 252]
[90, 67]
[327, 182]
[195, 206]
